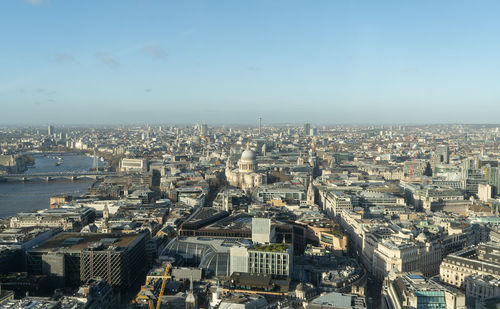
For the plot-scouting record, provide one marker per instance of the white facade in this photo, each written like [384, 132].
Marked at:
[133, 165]
[272, 259]
[455, 269]
[270, 262]
[238, 260]
[413, 291]
[484, 192]
[262, 232]
[335, 202]
[480, 287]
[245, 176]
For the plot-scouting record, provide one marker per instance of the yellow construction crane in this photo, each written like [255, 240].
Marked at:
[167, 270]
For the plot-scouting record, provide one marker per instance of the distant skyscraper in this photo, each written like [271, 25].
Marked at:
[442, 153]
[260, 125]
[50, 130]
[313, 131]
[204, 130]
[307, 128]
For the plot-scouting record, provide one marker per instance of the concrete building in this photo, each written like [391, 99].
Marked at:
[273, 259]
[262, 231]
[406, 256]
[306, 129]
[204, 130]
[481, 287]
[69, 259]
[239, 259]
[268, 259]
[431, 197]
[442, 154]
[335, 202]
[210, 254]
[69, 219]
[484, 192]
[133, 165]
[334, 300]
[483, 259]
[412, 290]
[256, 283]
[12, 164]
[291, 194]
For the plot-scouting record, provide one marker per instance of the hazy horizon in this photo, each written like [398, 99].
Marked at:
[244, 125]
[323, 62]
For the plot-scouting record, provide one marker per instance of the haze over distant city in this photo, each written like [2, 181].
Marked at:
[112, 62]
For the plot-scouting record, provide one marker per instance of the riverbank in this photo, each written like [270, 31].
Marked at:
[21, 197]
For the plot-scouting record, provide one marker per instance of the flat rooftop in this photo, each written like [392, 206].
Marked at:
[240, 221]
[271, 247]
[339, 300]
[80, 241]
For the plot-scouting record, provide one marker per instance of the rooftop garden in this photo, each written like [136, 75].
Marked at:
[336, 232]
[271, 247]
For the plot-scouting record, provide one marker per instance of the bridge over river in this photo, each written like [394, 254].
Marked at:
[50, 176]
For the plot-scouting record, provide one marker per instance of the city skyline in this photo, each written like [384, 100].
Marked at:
[223, 154]
[188, 62]
[298, 217]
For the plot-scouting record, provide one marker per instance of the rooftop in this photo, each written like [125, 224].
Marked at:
[80, 241]
[238, 221]
[271, 247]
[339, 300]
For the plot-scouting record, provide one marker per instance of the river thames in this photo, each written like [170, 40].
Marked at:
[19, 197]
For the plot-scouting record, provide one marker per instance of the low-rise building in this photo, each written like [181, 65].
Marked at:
[334, 300]
[481, 260]
[267, 259]
[413, 290]
[69, 219]
[133, 165]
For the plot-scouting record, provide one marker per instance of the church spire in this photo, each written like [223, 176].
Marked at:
[310, 192]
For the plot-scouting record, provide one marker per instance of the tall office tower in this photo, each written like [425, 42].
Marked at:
[204, 130]
[260, 125]
[307, 128]
[442, 153]
[313, 131]
[493, 178]
[50, 130]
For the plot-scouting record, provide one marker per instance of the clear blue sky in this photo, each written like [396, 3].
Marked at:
[133, 61]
